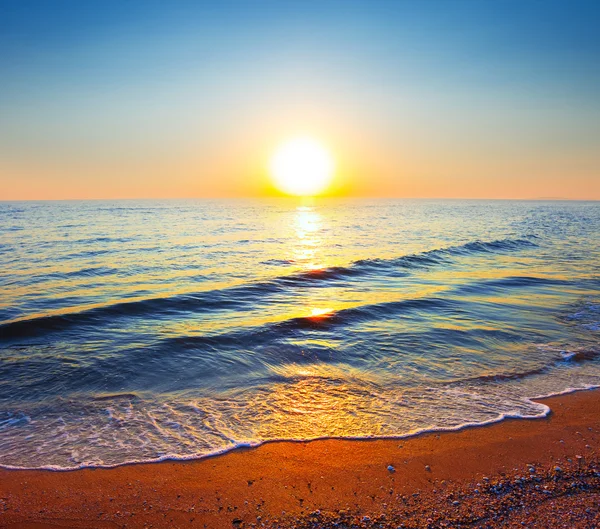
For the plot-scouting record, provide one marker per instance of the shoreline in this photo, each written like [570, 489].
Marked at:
[343, 481]
[258, 444]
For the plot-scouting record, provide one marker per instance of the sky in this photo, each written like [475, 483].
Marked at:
[165, 99]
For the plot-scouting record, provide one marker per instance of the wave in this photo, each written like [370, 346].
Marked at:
[492, 285]
[575, 356]
[97, 239]
[580, 355]
[247, 350]
[543, 412]
[438, 256]
[93, 271]
[324, 322]
[501, 245]
[247, 295]
[116, 396]
[537, 410]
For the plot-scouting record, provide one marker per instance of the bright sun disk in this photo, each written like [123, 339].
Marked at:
[302, 167]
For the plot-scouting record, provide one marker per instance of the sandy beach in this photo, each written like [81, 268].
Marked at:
[532, 473]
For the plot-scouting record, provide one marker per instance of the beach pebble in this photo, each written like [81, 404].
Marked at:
[391, 468]
[557, 469]
[428, 468]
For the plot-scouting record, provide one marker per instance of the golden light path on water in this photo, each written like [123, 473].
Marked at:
[309, 241]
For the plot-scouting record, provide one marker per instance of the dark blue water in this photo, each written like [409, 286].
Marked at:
[140, 330]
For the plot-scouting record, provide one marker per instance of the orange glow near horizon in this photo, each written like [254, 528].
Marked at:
[240, 169]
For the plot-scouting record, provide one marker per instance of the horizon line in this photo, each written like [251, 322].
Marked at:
[323, 197]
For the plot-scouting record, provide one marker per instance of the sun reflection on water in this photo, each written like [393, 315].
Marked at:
[320, 313]
[307, 226]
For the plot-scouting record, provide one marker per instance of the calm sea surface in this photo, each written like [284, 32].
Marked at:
[144, 330]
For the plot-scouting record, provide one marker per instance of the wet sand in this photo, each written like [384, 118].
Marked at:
[517, 473]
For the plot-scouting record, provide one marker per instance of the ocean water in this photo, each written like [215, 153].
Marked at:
[146, 330]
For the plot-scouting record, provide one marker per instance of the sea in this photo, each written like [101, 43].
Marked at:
[148, 330]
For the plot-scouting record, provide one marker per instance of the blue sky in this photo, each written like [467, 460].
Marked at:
[430, 98]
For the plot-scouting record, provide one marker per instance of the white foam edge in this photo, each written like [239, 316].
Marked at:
[544, 412]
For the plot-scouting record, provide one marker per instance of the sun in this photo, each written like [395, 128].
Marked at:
[302, 167]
